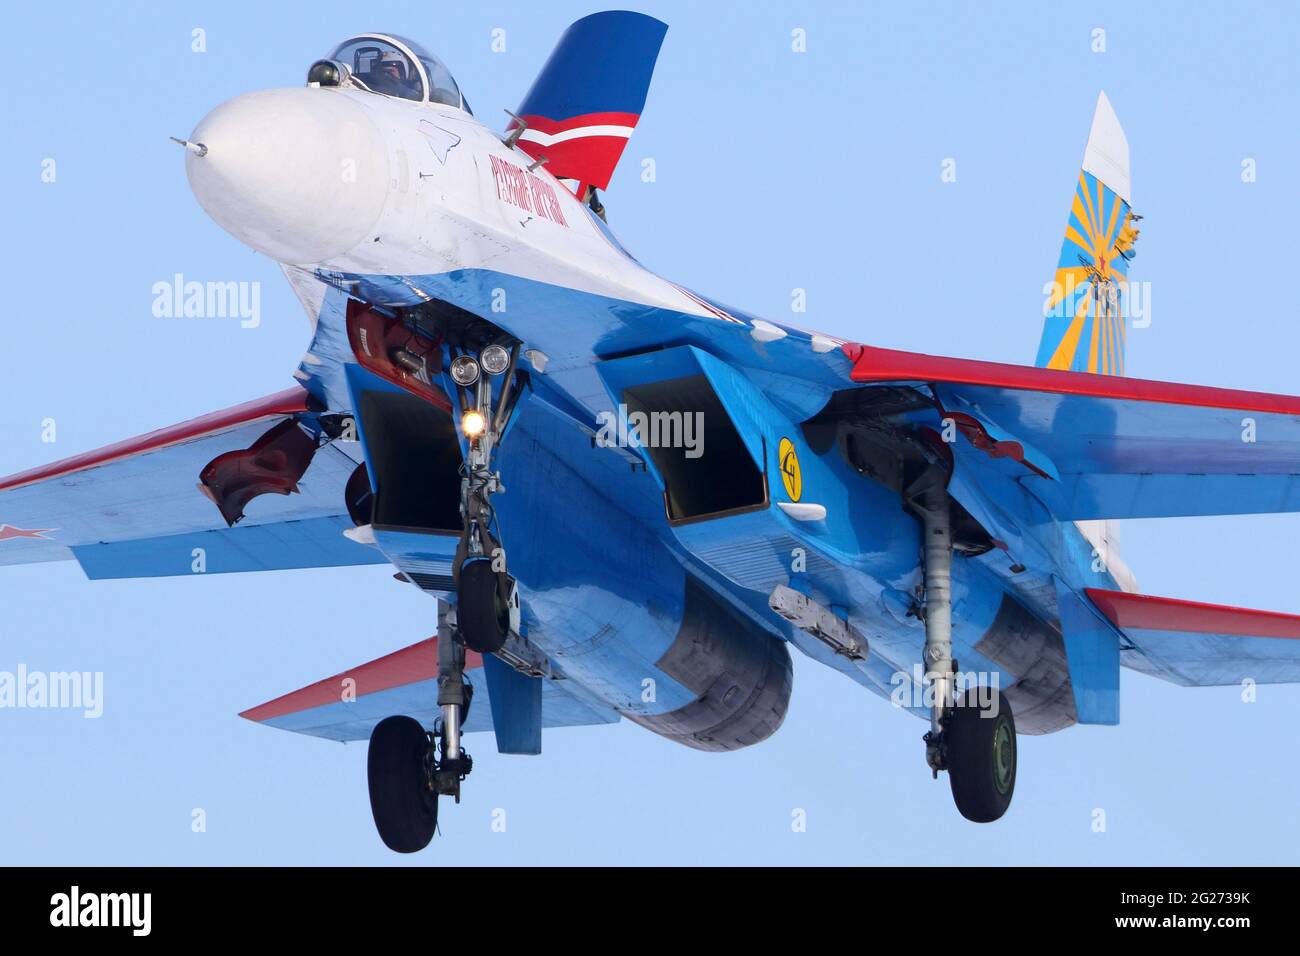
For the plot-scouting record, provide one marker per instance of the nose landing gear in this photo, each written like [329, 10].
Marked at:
[486, 597]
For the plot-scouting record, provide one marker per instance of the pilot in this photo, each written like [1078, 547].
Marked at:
[389, 75]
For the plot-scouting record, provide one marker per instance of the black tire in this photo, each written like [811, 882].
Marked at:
[481, 615]
[404, 806]
[980, 747]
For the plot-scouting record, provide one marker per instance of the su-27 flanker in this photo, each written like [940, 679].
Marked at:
[901, 518]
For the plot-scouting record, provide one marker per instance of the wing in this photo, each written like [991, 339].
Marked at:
[259, 486]
[348, 705]
[1110, 447]
[1195, 644]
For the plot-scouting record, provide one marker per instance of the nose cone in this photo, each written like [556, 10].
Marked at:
[298, 174]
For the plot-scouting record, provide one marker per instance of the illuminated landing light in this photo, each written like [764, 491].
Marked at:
[473, 424]
[766, 331]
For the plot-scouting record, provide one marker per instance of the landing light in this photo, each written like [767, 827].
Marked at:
[473, 424]
[464, 371]
[494, 359]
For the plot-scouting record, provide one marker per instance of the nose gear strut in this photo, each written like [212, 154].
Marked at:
[486, 599]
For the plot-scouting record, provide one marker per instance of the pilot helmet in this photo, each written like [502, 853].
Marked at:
[395, 58]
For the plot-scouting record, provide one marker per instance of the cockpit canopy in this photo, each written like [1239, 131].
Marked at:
[391, 65]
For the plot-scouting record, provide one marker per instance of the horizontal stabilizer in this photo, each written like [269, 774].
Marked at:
[348, 705]
[1196, 644]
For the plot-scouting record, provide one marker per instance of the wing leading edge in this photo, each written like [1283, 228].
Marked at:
[141, 507]
[348, 705]
[1118, 447]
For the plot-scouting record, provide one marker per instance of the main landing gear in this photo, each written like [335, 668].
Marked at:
[972, 737]
[409, 768]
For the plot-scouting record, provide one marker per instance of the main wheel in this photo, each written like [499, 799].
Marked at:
[402, 799]
[980, 748]
[481, 615]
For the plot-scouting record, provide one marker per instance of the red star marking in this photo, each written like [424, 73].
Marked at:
[8, 531]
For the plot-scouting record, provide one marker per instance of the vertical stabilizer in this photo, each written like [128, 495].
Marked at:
[1084, 328]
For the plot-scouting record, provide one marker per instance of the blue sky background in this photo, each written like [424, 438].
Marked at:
[775, 171]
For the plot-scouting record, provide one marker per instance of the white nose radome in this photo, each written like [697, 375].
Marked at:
[298, 174]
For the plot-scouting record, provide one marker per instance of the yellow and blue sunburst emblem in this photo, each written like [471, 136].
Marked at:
[1084, 331]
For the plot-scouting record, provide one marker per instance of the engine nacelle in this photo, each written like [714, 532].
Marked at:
[741, 673]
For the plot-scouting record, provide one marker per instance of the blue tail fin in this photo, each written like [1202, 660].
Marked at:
[589, 96]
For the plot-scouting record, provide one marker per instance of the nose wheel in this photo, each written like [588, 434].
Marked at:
[482, 610]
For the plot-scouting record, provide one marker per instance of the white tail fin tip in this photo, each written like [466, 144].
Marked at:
[1106, 155]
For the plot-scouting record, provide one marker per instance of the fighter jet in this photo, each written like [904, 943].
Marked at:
[627, 500]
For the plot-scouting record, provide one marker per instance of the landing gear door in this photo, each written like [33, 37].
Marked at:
[413, 460]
